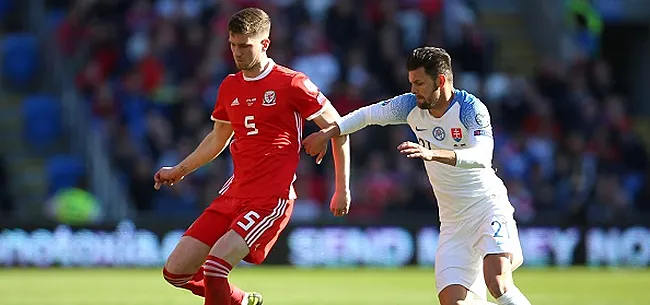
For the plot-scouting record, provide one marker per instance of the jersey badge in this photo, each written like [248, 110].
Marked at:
[269, 98]
[250, 101]
[482, 132]
[457, 134]
[439, 133]
[482, 120]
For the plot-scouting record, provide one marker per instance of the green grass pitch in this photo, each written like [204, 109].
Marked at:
[289, 286]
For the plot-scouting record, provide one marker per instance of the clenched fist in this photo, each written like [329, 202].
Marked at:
[167, 176]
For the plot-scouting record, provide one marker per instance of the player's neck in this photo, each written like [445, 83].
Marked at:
[258, 68]
[441, 107]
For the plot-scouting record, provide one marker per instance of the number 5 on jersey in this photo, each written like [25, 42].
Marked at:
[250, 218]
[248, 122]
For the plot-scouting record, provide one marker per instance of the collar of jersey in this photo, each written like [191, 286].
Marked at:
[453, 101]
[457, 98]
[264, 73]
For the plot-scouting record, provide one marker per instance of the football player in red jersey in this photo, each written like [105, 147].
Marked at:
[264, 106]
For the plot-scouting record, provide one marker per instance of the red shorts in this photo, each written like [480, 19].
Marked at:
[258, 220]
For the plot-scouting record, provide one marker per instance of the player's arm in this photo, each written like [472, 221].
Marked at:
[212, 145]
[392, 111]
[215, 142]
[479, 156]
[340, 148]
[476, 119]
[314, 106]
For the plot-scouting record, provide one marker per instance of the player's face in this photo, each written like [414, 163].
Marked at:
[426, 89]
[247, 50]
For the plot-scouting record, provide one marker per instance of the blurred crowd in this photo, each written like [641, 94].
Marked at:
[149, 70]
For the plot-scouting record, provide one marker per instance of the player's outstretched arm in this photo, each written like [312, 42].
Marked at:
[211, 146]
[392, 111]
[340, 203]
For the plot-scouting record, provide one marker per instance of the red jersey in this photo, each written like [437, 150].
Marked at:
[267, 114]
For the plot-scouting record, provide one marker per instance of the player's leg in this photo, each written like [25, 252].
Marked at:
[184, 267]
[459, 276]
[458, 294]
[500, 244]
[455, 294]
[227, 252]
[251, 237]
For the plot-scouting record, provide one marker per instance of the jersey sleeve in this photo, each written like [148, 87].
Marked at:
[476, 119]
[307, 98]
[392, 111]
[219, 113]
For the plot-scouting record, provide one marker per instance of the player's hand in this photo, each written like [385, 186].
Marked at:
[316, 145]
[167, 176]
[413, 150]
[340, 203]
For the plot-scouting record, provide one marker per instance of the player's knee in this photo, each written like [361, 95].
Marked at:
[497, 270]
[455, 302]
[496, 285]
[455, 295]
[231, 247]
[173, 266]
[176, 279]
[187, 257]
[498, 281]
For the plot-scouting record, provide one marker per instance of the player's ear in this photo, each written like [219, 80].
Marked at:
[441, 80]
[265, 44]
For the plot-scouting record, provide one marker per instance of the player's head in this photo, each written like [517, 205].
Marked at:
[248, 33]
[429, 71]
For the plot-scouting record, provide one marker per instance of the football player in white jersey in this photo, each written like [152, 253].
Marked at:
[479, 244]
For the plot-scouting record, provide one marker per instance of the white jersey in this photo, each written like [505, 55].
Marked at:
[469, 189]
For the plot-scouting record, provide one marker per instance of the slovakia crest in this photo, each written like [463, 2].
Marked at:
[457, 134]
[439, 133]
[269, 98]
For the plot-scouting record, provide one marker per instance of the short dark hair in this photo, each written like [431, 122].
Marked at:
[250, 21]
[435, 61]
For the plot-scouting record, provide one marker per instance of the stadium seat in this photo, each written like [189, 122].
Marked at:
[64, 171]
[5, 7]
[633, 183]
[19, 58]
[42, 124]
[54, 19]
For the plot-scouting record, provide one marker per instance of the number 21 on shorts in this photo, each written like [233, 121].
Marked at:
[250, 217]
[500, 227]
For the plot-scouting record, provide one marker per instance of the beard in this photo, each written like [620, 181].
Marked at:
[243, 65]
[427, 102]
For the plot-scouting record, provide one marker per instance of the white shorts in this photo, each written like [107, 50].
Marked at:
[463, 245]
